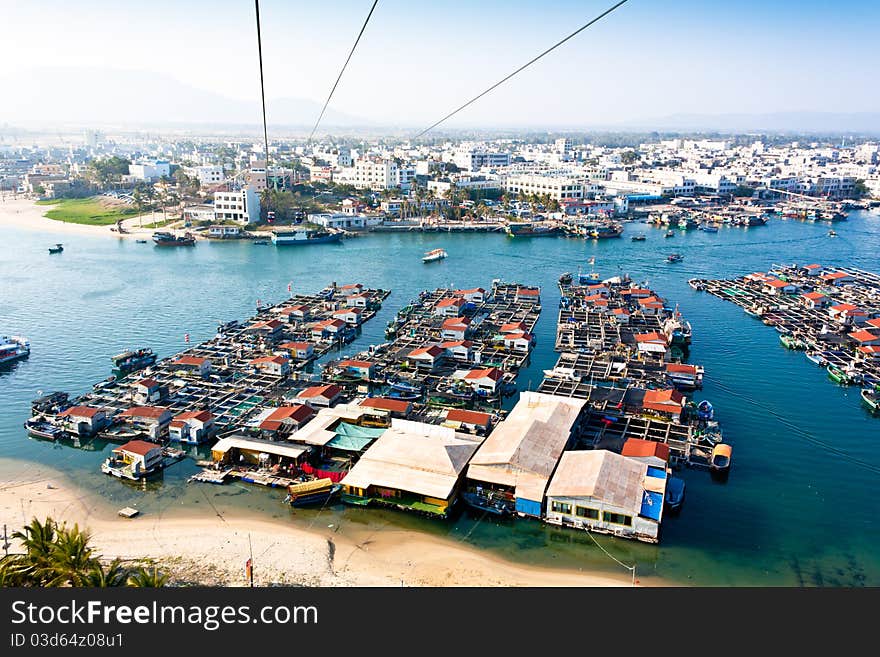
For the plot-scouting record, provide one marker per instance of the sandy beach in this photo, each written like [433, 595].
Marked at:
[20, 212]
[214, 551]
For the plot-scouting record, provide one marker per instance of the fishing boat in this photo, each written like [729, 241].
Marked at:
[13, 347]
[109, 382]
[531, 230]
[816, 358]
[56, 249]
[434, 255]
[566, 278]
[720, 461]
[606, 230]
[141, 241]
[842, 376]
[161, 238]
[669, 233]
[302, 236]
[641, 237]
[132, 361]
[705, 410]
[789, 341]
[709, 228]
[260, 242]
[674, 257]
[403, 386]
[674, 494]
[871, 398]
[318, 491]
[39, 427]
[832, 233]
[697, 285]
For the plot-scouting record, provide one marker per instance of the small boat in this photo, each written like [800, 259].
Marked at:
[791, 342]
[697, 285]
[719, 462]
[13, 347]
[260, 242]
[669, 233]
[132, 361]
[705, 410]
[817, 358]
[566, 278]
[109, 382]
[141, 241]
[307, 493]
[871, 398]
[56, 249]
[403, 386]
[674, 494]
[843, 376]
[41, 428]
[641, 237]
[434, 255]
[674, 257]
[169, 239]
[832, 233]
[709, 228]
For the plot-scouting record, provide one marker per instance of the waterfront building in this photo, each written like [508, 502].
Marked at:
[299, 350]
[398, 408]
[462, 419]
[338, 220]
[242, 206]
[328, 329]
[455, 328]
[427, 357]
[516, 461]
[486, 379]
[475, 158]
[413, 466]
[275, 423]
[557, 186]
[652, 452]
[605, 492]
[148, 390]
[274, 365]
[149, 170]
[151, 420]
[243, 451]
[193, 364]
[192, 427]
[320, 395]
[83, 420]
[140, 456]
[222, 232]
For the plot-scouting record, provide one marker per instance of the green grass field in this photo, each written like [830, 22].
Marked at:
[89, 211]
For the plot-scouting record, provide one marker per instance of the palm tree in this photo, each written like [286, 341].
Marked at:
[147, 578]
[113, 575]
[71, 558]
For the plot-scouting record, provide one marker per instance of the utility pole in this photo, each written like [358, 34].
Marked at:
[5, 541]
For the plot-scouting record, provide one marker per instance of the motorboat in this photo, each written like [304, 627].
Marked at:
[434, 255]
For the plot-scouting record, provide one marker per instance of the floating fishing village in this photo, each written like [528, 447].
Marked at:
[417, 423]
[831, 313]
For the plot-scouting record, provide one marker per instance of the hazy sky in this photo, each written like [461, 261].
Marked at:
[419, 59]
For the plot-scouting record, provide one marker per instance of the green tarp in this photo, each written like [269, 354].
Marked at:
[352, 438]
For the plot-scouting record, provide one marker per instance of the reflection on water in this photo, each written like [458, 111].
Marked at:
[792, 512]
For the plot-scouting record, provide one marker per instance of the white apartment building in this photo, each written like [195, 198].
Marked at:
[557, 186]
[149, 171]
[371, 174]
[334, 158]
[405, 176]
[472, 159]
[713, 183]
[441, 187]
[562, 145]
[211, 174]
[242, 206]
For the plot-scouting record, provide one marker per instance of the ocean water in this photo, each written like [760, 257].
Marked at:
[799, 508]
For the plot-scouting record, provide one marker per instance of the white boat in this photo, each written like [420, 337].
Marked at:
[436, 254]
[13, 347]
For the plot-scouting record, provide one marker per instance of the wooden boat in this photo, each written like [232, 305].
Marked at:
[670, 233]
[871, 398]
[791, 342]
[641, 237]
[832, 233]
[141, 241]
[674, 257]
[843, 376]
[434, 255]
[41, 428]
[168, 239]
[318, 491]
[709, 228]
[719, 462]
[56, 249]
[816, 358]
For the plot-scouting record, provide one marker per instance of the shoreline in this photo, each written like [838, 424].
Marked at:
[24, 213]
[213, 551]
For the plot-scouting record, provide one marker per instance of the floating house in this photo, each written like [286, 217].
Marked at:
[510, 471]
[668, 402]
[328, 329]
[83, 420]
[398, 408]
[462, 419]
[412, 466]
[193, 365]
[299, 350]
[528, 295]
[147, 391]
[450, 307]
[151, 420]
[428, 357]
[319, 395]
[651, 452]
[293, 314]
[360, 369]
[455, 328]
[521, 342]
[458, 349]
[351, 316]
[269, 329]
[137, 458]
[274, 365]
[282, 421]
[192, 427]
[814, 300]
[474, 295]
[486, 379]
[240, 450]
[605, 492]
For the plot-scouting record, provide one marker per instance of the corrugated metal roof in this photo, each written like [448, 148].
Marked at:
[602, 475]
[265, 446]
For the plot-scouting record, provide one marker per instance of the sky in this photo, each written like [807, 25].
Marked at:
[419, 59]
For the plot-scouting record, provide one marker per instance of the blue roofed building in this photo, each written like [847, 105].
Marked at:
[605, 492]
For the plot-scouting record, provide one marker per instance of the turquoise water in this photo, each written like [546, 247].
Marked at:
[800, 506]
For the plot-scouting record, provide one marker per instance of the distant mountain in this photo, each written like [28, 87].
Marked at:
[801, 122]
[138, 97]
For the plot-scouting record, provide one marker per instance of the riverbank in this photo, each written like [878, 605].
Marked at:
[19, 212]
[213, 549]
